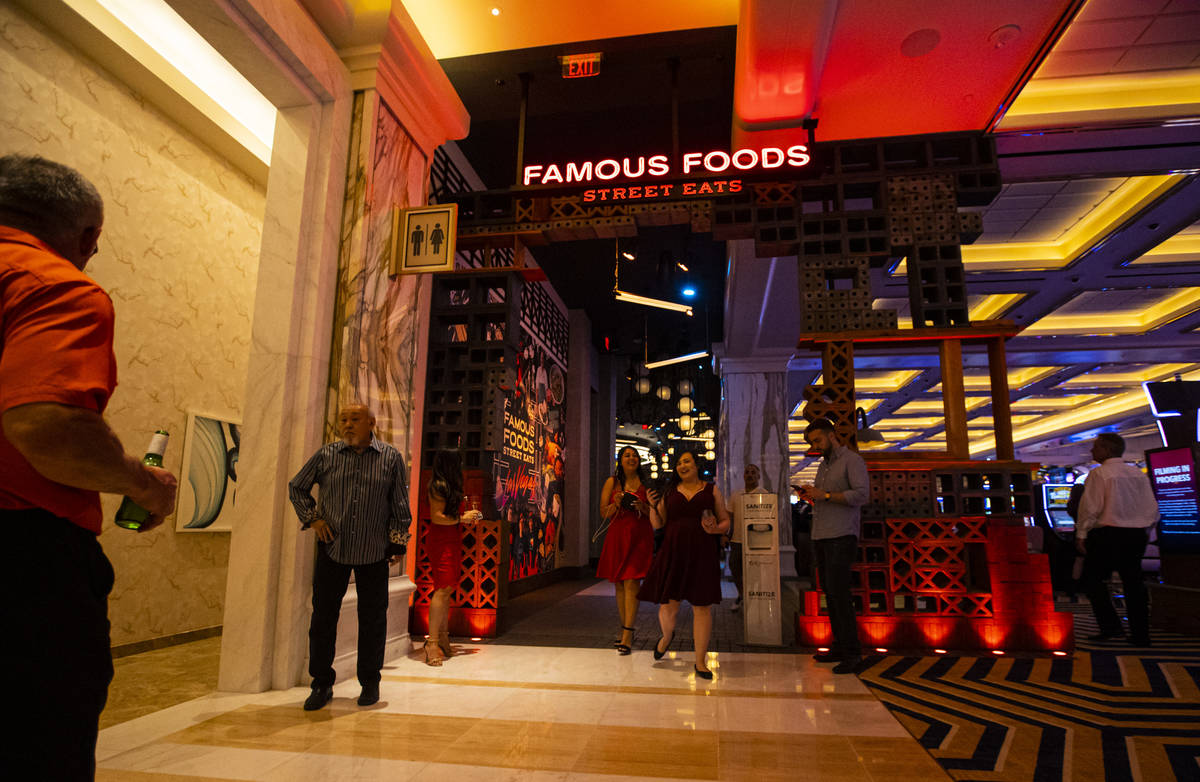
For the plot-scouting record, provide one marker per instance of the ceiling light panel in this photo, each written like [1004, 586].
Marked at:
[1052, 403]
[918, 406]
[1118, 312]
[1134, 375]
[1131, 197]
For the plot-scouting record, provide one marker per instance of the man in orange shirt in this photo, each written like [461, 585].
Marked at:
[57, 372]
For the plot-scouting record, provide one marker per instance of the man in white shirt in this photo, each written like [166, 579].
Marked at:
[1115, 513]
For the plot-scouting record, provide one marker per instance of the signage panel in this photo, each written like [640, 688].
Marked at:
[580, 66]
[1173, 477]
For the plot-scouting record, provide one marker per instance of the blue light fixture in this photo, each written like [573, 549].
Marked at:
[689, 292]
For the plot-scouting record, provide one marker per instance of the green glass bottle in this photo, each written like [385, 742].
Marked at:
[131, 515]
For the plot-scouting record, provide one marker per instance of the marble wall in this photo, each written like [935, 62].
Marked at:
[376, 349]
[753, 430]
[179, 255]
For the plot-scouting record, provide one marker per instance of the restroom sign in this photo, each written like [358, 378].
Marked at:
[423, 239]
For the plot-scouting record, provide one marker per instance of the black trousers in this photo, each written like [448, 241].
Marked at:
[1120, 549]
[57, 657]
[835, 556]
[330, 580]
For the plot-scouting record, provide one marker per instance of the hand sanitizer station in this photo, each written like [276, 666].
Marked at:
[762, 605]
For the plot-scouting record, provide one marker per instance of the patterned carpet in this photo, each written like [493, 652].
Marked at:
[1112, 712]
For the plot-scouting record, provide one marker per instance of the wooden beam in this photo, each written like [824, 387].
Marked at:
[954, 398]
[1001, 410]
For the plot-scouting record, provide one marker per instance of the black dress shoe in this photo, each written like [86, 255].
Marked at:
[702, 674]
[849, 665]
[1105, 636]
[369, 695]
[828, 657]
[659, 655]
[318, 698]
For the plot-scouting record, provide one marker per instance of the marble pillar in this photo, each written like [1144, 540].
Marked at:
[270, 562]
[321, 291]
[753, 430]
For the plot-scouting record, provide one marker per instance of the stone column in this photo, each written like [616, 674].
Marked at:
[341, 160]
[753, 430]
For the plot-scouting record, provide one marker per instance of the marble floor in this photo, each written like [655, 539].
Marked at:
[497, 712]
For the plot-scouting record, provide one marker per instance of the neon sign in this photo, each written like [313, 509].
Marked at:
[692, 164]
[580, 66]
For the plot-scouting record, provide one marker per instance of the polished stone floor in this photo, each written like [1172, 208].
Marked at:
[499, 711]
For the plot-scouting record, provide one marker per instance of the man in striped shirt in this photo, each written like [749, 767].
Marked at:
[361, 522]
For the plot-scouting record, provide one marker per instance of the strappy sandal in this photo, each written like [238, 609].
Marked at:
[626, 648]
[433, 654]
[447, 649]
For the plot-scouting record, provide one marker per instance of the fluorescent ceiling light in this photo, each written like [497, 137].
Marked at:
[1102, 379]
[1174, 304]
[1076, 99]
[1181, 248]
[1125, 404]
[646, 301]
[1017, 378]
[1131, 197]
[188, 65]
[677, 360]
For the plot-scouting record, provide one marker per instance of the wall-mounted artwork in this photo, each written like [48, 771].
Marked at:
[208, 482]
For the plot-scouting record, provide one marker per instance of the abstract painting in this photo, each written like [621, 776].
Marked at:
[208, 483]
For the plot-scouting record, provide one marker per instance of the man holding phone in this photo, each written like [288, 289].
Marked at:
[837, 494]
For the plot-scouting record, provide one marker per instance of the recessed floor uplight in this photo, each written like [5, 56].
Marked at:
[822, 648]
[939, 651]
[476, 638]
[881, 650]
[689, 291]
[997, 651]
[1060, 654]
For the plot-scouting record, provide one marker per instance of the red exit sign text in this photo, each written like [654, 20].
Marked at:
[578, 66]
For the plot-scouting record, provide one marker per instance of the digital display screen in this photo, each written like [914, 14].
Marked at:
[1173, 477]
[1055, 497]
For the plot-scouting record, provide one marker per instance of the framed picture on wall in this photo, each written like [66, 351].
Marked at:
[423, 239]
[208, 480]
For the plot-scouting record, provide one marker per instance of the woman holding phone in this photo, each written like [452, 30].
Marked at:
[685, 568]
[629, 542]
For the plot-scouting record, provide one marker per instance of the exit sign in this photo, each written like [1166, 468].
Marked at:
[578, 66]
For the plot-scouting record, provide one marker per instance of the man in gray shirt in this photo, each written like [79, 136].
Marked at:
[361, 524]
[837, 494]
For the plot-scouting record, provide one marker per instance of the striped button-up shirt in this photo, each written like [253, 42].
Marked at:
[363, 499]
[846, 472]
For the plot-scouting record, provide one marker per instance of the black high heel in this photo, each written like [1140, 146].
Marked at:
[702, 674]
[659, 655]
[625, 648]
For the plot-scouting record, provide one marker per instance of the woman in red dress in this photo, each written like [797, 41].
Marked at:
[685, 568]
[629, 543]
[444, 544]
